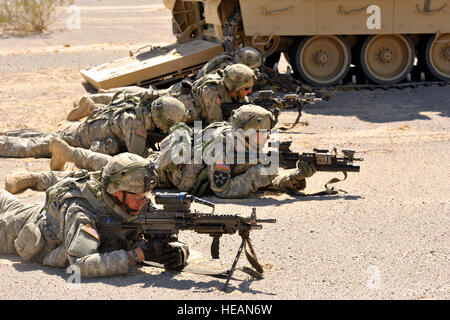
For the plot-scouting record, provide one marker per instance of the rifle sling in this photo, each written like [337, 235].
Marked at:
[328, 191]
[297, 121]
[223, 272]
[251, 257]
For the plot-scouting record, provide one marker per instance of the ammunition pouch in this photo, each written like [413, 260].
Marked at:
[29, 241]
[107, 146]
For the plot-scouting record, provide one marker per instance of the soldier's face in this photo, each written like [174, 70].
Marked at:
[133, 201]
[244, 92]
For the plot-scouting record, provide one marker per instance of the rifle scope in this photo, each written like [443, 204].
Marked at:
[180, 198]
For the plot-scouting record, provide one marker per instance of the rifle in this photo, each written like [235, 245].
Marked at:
[322, 159]
[285, 83]
[272, 103]
[282, 82]
[176, 216]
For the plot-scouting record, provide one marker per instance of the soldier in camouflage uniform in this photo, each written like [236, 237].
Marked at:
[85, 105]
[249, 56]
[225, 180]
[231, 86]
[228, 180]
[203, 97]
[63, 231]
[121, 126]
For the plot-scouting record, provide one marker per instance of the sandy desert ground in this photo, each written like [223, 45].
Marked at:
[387, 237]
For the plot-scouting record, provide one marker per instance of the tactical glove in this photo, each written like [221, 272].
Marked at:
[304, 170]
[172, 255]
[176, 256]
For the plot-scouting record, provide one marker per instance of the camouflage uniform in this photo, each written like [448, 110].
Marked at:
[85, 105]
[225, 180]
[119, 127]
[63, 231]
[249, 56]
[210, 91]
[183, 91]
[216, 63]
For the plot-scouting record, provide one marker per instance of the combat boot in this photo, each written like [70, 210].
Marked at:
[83, 108]
[19, 181]
[61, 153]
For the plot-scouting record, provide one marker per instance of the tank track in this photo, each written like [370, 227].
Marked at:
[413, 80]
[372, 86]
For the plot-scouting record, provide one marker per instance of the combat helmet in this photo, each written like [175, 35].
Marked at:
[251, 116]
[128, 172]
[166, 111]
[238, 76]
[249, 56]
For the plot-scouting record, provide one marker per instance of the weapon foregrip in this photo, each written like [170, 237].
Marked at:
[215, 247]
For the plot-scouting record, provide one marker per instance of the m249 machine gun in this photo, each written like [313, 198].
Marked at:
[176, 216]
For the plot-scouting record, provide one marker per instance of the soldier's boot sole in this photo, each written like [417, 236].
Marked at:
[81, 109]
[61, 153]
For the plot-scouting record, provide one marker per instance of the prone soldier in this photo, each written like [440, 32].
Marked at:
[202, 98]
[230, 86]
[225, 180]
[86, 104]
[121, 126]
[63, 230]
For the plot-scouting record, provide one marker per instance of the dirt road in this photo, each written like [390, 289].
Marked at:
[387, 237]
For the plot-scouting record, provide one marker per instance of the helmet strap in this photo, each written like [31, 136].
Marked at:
[122, 203]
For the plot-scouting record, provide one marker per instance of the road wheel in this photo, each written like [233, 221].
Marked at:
[387, 59]
[322, 60]
[437, 56]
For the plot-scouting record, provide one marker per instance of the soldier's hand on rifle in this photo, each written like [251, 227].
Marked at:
[176, 255]
[304, 170]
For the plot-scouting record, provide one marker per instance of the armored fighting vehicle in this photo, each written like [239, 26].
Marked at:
[380, 41]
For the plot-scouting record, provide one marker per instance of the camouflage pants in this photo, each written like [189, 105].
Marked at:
[46, 179]
[26, 144]
[13, 216]
[88, 159]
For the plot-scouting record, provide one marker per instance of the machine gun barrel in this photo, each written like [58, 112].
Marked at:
[266, 220]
